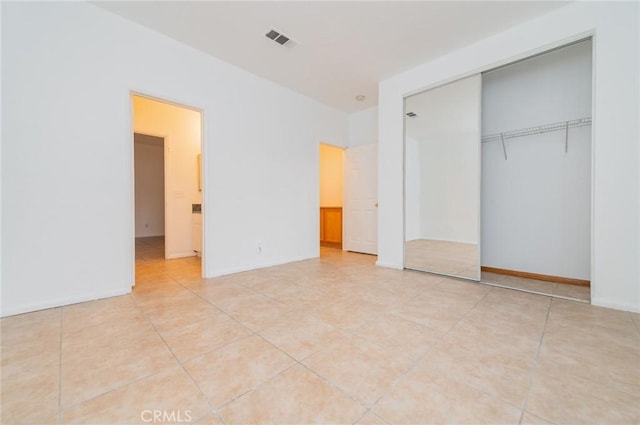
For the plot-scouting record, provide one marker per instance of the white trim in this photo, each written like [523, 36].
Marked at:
[390, 266]
[61, 302]
[166, 143]
[224, 272]
[603, 302]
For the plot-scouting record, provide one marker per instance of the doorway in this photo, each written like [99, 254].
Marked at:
[167, 185]
[148, 156]
[331, 197]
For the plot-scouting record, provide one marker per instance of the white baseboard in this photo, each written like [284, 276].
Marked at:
[390, 265]
[181, 255]
[224, 272]
[43, 305]
[602, 302]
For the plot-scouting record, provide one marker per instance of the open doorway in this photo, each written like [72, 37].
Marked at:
[148, 154]
[167, 188]
[331, 197]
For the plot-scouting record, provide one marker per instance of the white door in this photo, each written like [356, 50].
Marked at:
[361, 199]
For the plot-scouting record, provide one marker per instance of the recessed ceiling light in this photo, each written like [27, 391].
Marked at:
[360, 98]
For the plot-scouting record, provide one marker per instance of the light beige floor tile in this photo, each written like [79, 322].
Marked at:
[228, 296]
[236, 368]
[466, 289]
[308, 298]
[422, 397]
[93, 364]
[360, 368]
[171, 393]
[29, 351]
[360, 312]
[206, 335]
[566, 399]
[30, 334]
[593, 354]
[149, 295]
[30, 397]
[297, 396]
[371, 418]
[588, 316]
[503, 377]
[262, 315]
[529, 419]
[274, 287]
[176, 315]
[209, 419]
[432, 314]
[486, 331]
[109, 312]
[407, 338]
[302, 336]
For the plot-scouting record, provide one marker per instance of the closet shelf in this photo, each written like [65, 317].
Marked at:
[546, 128]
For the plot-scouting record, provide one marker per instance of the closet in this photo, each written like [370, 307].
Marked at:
[532, 208]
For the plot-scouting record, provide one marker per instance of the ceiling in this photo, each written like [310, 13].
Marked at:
[342, 49]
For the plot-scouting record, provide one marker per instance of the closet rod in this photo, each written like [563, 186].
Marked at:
[546, 128]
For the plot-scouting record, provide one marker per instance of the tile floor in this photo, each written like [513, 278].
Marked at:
[328, 340]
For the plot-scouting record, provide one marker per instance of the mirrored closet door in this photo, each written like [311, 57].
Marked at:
[442, 179]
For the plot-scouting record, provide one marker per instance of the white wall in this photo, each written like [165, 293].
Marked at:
[536, 206]
[616, 191]
[149, 185]
[363, 127]
[181, 129]
[67, 154]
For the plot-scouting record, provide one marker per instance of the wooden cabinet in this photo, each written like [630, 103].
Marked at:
[331, 226]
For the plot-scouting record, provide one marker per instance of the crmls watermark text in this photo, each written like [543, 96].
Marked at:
[151, 416]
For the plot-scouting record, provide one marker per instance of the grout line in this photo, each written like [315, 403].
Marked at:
[211, 406]
[535, 363]
[426, 354]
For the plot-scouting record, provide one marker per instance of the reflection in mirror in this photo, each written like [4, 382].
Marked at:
[442, 179]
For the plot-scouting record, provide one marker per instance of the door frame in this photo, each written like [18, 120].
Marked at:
[130, 243]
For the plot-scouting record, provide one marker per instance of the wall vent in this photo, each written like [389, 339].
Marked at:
[279, 38]
[412, 114]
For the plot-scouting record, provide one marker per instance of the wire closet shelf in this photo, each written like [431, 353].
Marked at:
[546, 128]
[540, 129]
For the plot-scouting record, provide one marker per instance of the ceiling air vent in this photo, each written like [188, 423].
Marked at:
[412, 114]
[279, 38]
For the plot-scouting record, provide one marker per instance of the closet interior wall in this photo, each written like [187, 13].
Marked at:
[536, 197]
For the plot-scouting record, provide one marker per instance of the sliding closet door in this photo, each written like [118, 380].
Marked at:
[536, 168]
[442, 187]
